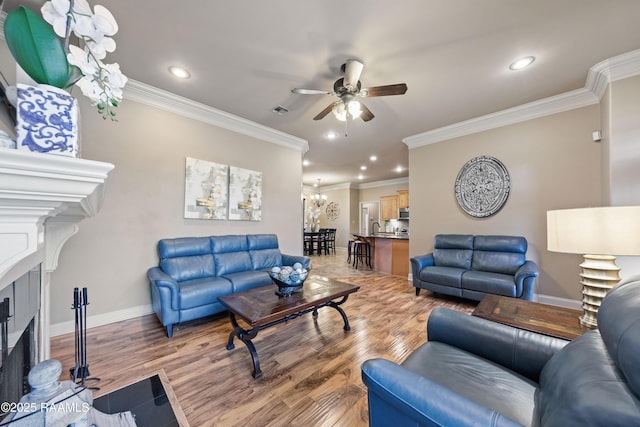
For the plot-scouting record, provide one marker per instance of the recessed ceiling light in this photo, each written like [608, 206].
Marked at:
[363, 168]
[399, 169]
[522, 63]
[179, 72]
[373, 158]
[305, 162]
[360, 176]
[331, 135]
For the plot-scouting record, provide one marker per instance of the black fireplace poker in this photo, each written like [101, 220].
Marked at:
[80, 372]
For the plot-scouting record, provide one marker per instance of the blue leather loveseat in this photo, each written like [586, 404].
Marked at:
[470, 266]
[476, 372]
[195, 271]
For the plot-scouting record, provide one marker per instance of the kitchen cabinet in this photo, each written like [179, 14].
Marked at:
[403, 198]
[388, 207]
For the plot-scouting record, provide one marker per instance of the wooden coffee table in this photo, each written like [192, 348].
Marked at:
[261, 308]
[545, 319]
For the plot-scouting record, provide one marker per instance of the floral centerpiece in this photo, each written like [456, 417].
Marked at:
[38, 50]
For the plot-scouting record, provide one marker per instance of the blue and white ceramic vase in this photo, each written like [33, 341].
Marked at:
[46, 120]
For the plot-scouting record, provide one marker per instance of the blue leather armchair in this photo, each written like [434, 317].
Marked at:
[195, 271]
[476, 372]
[472, 266]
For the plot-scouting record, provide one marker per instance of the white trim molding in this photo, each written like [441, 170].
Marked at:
[599, 76]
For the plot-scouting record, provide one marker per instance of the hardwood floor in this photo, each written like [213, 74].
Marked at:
[311, 369]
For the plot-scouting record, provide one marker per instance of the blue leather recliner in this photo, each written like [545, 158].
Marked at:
[195, 271]
[476, 372]
[470, 266]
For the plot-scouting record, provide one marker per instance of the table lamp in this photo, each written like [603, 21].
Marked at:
[598, 234]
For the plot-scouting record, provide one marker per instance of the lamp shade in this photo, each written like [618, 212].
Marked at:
[613, 230]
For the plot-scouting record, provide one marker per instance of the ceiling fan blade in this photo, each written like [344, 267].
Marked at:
[366, 114]
[397, 89]
[352, 71]
[311, 91]
[324, 112]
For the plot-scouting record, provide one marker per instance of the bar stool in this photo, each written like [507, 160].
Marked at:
[349, 247]
[361, 253]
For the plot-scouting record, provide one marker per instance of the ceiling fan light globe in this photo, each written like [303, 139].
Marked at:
[340, 112]
[354, 109]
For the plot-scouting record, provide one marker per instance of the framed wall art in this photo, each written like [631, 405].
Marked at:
[205, 192]
[482, 186]
[245, 194]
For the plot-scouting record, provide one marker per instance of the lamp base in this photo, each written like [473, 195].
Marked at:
[599, 274]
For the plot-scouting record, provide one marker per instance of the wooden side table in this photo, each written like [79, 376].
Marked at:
[545, 319]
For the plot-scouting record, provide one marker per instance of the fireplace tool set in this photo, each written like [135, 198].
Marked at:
[80, 371]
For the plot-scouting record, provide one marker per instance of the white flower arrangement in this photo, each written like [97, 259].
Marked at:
[101, 83]
[39, 52]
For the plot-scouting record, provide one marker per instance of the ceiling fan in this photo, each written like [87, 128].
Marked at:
[347, 89]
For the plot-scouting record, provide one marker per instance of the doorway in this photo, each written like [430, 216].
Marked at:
[369, 214]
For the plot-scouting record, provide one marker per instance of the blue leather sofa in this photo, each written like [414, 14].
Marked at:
[476, 372]
[195, 271]
[470, 266]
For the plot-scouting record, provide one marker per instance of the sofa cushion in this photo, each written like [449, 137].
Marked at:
[230, 243]
[491, 283]
[581, 385]
[264, 259]
[447, 276]
[199, 292]
[477, 379]
[246, 280]
[232, 262]
[453, 250]
[183, 246]
[262, 241]
[189, 267]
[499, 254]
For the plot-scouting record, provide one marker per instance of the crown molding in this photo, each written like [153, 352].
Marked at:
[598, 78]
[395, 181]
[158, 98]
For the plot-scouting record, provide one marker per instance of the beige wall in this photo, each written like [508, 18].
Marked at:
[144, 202]
[553, 164]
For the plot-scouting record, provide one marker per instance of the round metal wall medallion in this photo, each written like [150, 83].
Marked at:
[482, 186]
[333, 211]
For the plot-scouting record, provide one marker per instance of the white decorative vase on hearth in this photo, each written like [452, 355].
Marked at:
[46, 120]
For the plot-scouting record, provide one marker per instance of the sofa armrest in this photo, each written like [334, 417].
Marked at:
[521, 351]
[400, 397]
[292, 259]
[525, 278]
[163, 281]
[420, 262]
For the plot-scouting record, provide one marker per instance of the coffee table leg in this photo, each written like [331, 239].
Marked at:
[335, 305]
[246, 337]
[342, 313]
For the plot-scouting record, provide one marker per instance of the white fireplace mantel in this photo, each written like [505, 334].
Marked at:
[42, 199]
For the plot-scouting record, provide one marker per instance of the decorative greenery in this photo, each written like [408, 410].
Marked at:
[37, 49]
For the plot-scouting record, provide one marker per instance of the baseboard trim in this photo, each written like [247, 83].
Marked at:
[102, 319]
[557, 301]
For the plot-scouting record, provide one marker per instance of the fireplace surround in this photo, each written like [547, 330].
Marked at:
[43, 197]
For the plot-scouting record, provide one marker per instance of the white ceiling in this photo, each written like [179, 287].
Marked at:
[246, 56]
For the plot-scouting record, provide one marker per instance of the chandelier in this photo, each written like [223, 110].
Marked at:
[318, 200]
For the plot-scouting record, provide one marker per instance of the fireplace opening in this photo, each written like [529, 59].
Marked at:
[19, 312]
[16, 366]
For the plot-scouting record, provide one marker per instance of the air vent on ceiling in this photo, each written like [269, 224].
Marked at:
[280, 110]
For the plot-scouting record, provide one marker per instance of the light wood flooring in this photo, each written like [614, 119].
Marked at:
[311, 369]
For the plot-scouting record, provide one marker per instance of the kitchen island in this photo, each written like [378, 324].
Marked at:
[390, 253]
